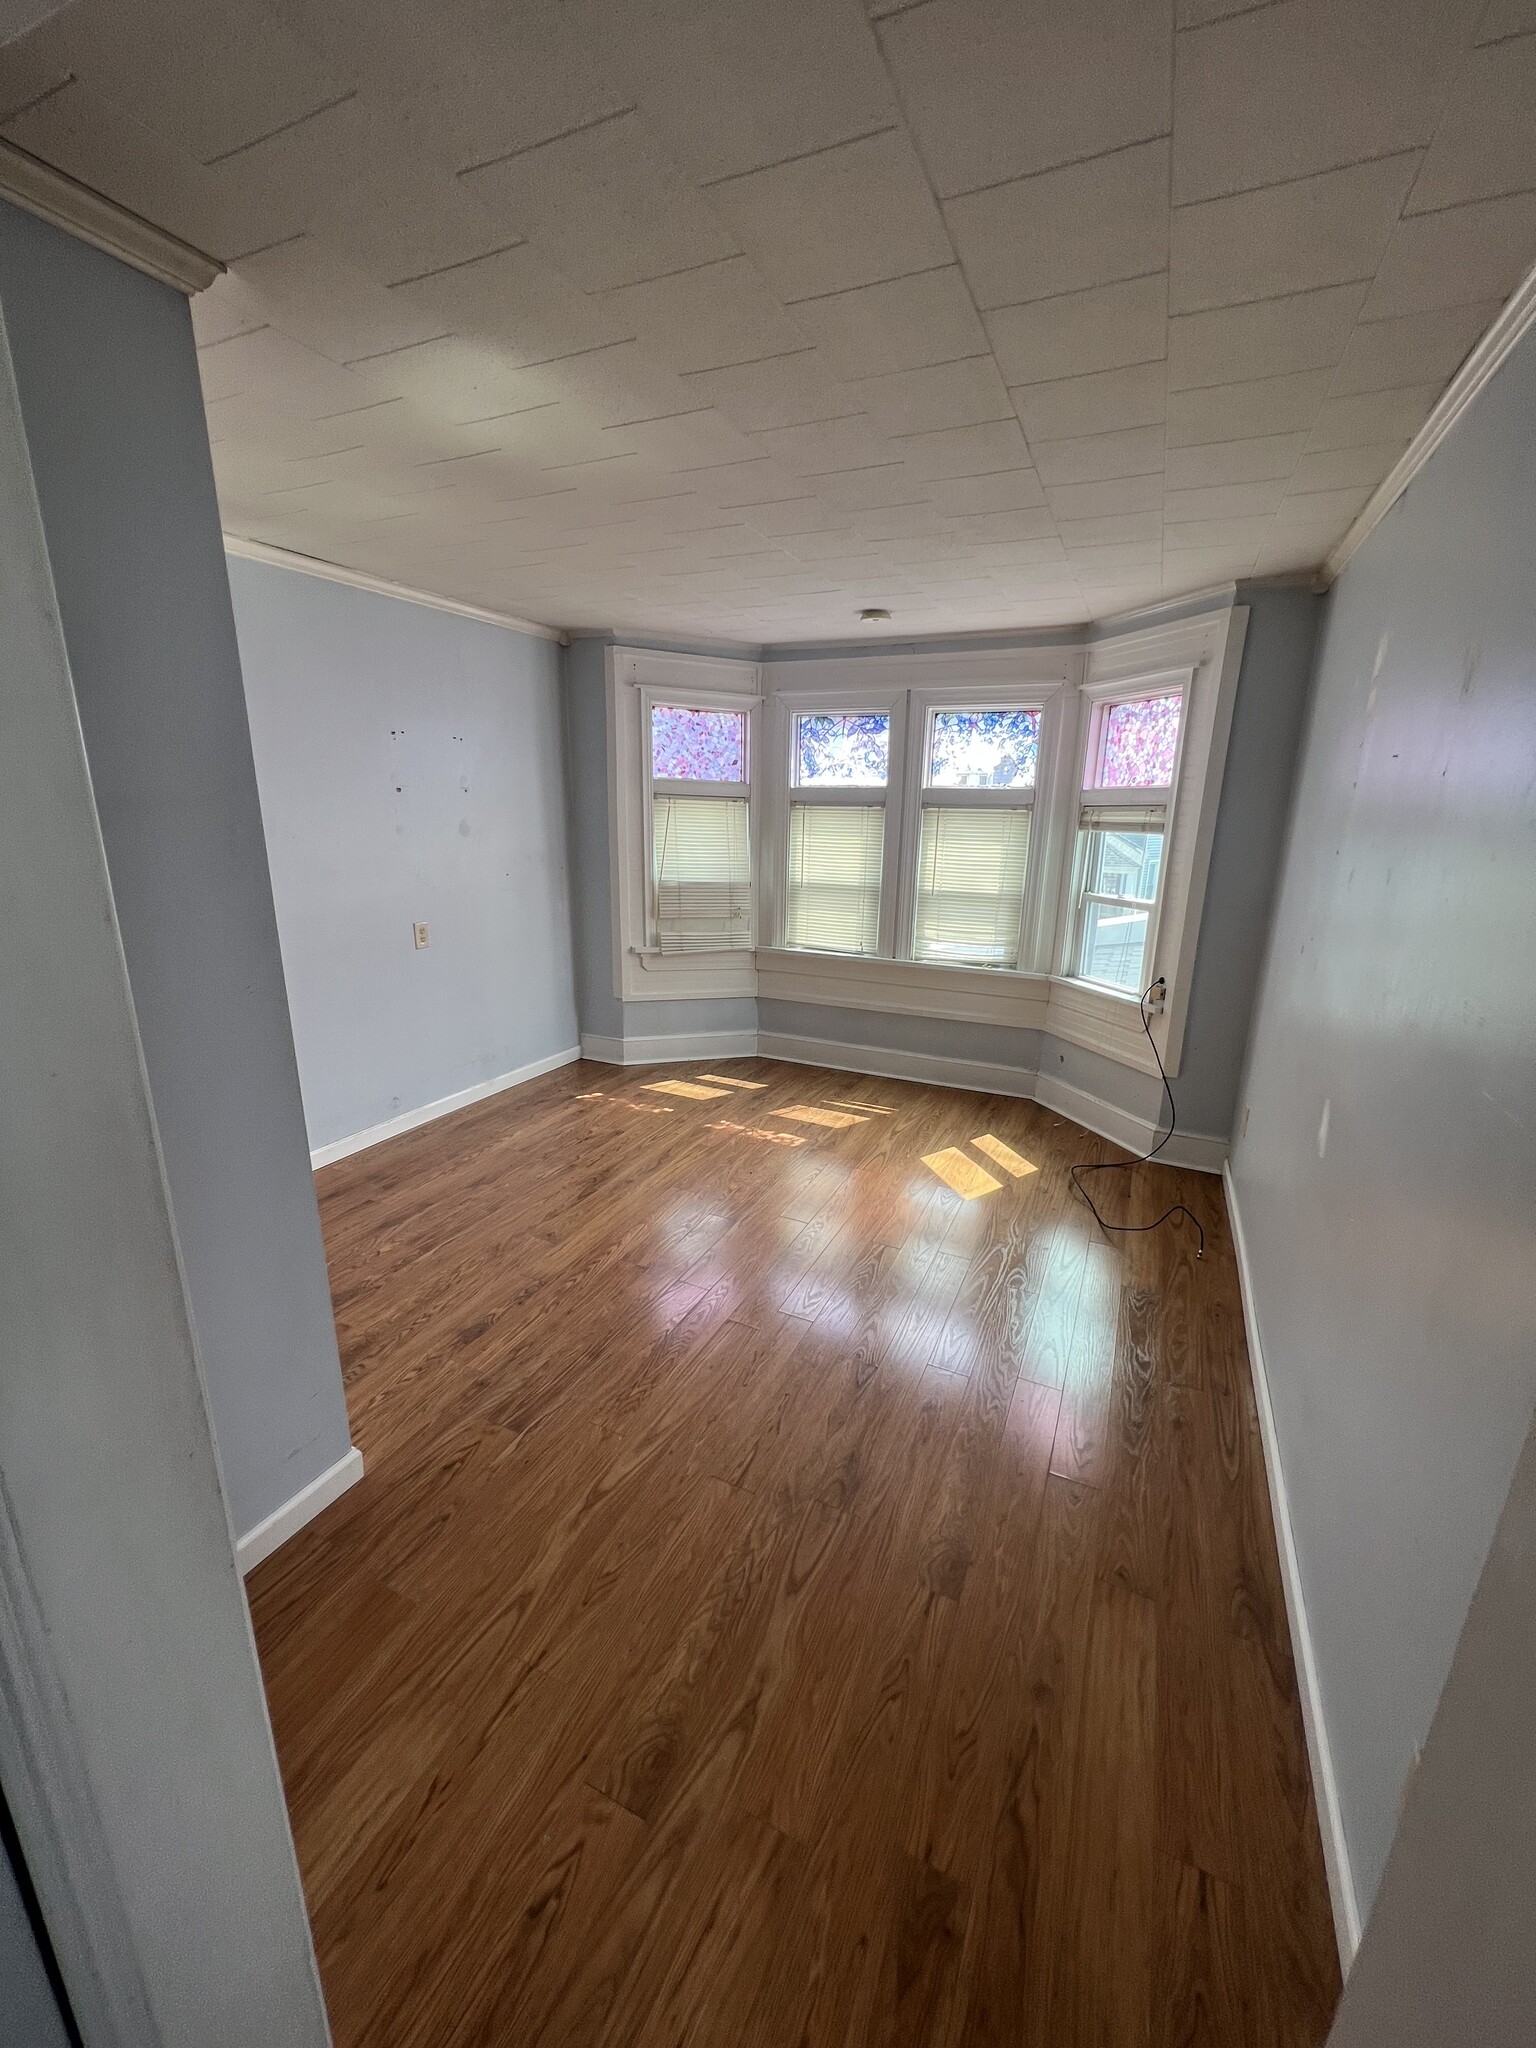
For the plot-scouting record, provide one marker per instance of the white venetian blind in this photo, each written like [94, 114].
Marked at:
[703, 874]
[970, 886]
[835, 854]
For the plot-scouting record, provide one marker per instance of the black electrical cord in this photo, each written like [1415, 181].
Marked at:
[1125, 1165]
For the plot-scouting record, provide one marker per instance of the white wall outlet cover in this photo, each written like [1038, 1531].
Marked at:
[422, 936]
[1322, 1128]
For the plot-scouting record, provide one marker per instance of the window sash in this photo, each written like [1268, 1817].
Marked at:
[701, 873]
[834, 869]
[1088, 924]
[972, 866]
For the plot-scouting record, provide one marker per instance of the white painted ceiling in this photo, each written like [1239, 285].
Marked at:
[731, 317]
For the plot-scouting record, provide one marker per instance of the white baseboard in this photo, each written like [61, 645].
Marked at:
[1341, 1880]
[942, 1071]
[409, 1119]
[1135, 1133]
[261, 1541]
[657, 1051]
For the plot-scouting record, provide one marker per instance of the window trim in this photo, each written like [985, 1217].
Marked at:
[636, 678]
[1095, 701]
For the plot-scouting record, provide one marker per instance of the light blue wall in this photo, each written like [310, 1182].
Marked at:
[410, 770]
[106, 367]
[1393, 1276]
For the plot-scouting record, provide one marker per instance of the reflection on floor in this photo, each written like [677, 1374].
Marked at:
[794, 1597]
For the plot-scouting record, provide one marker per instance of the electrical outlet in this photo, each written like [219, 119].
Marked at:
[1157, 997]
[422, 936]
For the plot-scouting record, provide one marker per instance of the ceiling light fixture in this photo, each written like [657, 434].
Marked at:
[874, 615]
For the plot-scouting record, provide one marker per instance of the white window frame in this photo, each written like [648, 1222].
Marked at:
[637, 679]
[1069, 678]
[679, 697]
[1096, 700]
[781, 793]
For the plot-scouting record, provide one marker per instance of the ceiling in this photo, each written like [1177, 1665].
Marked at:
[731, 317]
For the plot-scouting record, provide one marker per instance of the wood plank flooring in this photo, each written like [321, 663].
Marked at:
[789, 1603]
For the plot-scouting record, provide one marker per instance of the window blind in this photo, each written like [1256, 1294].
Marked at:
[703, 874]
[970, 886]
[835, 855]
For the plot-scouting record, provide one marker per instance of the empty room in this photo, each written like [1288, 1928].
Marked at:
[768, 1064]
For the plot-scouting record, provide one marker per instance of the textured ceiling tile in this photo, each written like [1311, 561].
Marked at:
[1368, 418]
[1227, 412]
[1288, 238]
[846, 216]
[1418, 348]
[1272, 338]
[707, 318]
[1065, 230]
[998, 88]
[697, 440]
[965, 451]
[1095, 500]
[1322, 508]
[605, 204]
[1223, 501]
[858, 489]
[1112, 529]
[1287, 552]
[1107, 328]
[1337, 469]
[1216, 533]
[855, 442]
[515, 298]
[87, 135]
[1036, 524]
[999, 490]
[1190, 569]
[784, 391]
[464, 80]
[737, 85]
[900, 325]
[1091, 458]
[1309, 86]
[1473, 252]
[1486, 142]
[1101, 403]
[1254, 460]
[311, 383]
[964, 394]
[310, 293]
[1507, 18]
[1107, 560]
[210, 76]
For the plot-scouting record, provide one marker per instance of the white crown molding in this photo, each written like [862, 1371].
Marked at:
[65, 203]
[359, 579]
[1503, 337]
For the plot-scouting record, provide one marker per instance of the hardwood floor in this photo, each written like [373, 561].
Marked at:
[790, 1602]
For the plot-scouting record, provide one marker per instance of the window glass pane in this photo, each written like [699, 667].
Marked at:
[847, 747]
[983, 749]
[1114, 946]
[690, 745]
[835, 855]
[703, 874]
[1124, 863]
[1137, 744]
[970, 886]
